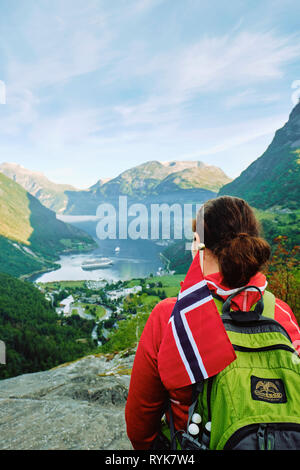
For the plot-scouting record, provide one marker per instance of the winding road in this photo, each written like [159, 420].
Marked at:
[88, 316]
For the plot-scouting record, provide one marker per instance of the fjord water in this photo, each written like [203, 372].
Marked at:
[136, 258]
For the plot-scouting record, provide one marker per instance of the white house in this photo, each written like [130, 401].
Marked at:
[116, 294]
[66, 304]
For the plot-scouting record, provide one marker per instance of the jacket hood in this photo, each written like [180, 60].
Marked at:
[244, 300]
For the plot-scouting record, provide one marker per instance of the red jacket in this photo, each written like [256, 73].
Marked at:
[147, 397]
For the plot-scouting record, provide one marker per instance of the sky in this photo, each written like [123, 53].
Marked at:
[90, 88]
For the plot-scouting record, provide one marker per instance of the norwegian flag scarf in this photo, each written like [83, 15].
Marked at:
[195, 345]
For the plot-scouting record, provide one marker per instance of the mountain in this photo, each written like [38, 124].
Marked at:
[50, 194]
[206, 177]
[31, 238]
[273, 180]
[149, 178]
[153, 181]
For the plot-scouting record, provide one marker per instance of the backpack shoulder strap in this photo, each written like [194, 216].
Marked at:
[218, 301]
[269, 305]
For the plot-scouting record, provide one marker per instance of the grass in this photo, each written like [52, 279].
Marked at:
[14, 211]
[89, 309]
[63, 284]
[133, 283]
[127, 334]
[169, 280]
[170, 284]
[146, 299]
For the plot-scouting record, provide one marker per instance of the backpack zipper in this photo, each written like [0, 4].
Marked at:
[208, 396]
[273, 347]
[261, 436]
[264, 433]
[241, 327]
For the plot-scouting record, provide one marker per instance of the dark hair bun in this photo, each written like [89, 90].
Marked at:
[241, 258]
[232, 232]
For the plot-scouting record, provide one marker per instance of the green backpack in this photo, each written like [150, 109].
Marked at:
[254, 403]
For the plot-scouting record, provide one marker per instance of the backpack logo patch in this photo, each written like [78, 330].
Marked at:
[269, 390]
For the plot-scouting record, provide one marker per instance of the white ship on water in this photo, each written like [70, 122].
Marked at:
[96, 264]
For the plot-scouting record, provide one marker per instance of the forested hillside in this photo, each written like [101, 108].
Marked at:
[36, 338]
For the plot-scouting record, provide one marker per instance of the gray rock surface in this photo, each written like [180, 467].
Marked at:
[75, 406]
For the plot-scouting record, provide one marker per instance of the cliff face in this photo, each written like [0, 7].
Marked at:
[76, 406]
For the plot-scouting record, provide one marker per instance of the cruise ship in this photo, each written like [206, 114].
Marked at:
[96, 264]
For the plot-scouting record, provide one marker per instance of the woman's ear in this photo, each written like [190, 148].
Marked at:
[195, 244]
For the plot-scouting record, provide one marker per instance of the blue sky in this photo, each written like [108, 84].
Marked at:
[94, 87]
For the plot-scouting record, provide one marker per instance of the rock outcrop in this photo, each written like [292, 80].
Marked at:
[76, 406]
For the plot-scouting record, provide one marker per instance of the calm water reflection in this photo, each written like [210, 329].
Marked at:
[136, 258]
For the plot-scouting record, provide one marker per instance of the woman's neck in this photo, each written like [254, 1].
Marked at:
[210, 265]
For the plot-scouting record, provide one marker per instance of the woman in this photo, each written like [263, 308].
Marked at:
[233, 257]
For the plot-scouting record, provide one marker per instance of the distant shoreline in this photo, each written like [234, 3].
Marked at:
[34, 275]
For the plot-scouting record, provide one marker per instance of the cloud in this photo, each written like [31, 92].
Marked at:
[56, 46]
[239, 134]
[250, 97]
[66, 129]
[72, 39]
[218, 63]
[212, 65]
[81, 54]
[19, 111]
[141, 6]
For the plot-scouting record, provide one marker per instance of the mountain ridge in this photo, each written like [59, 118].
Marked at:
[51, 195]
[150, 175]
[147, 180]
